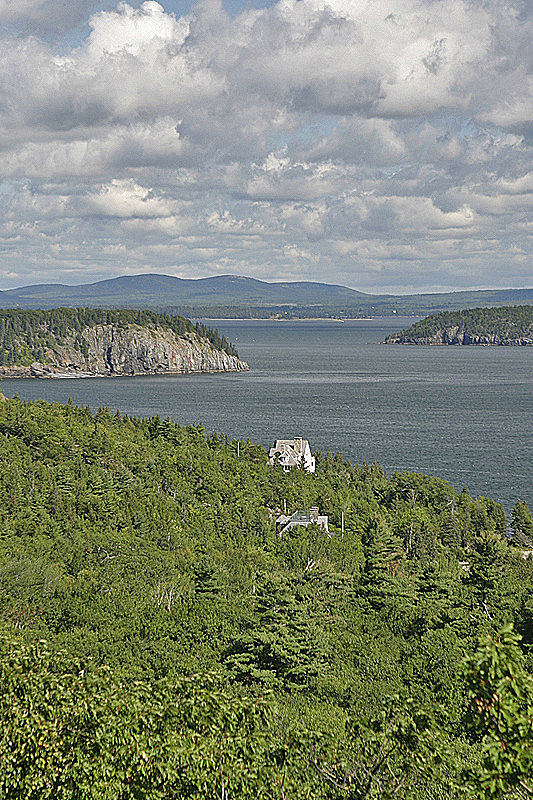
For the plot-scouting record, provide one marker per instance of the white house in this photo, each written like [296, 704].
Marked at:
[289, 453]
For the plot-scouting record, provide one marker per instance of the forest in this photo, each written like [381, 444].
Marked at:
[25, 336]
[506, 324]
[160, 639]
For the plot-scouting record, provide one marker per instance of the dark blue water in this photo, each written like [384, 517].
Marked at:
[462, 413]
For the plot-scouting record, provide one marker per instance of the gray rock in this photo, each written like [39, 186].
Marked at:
[111, 350]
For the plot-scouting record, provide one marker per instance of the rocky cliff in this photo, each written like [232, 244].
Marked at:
[111, 351]
[456, 335]
[511, 326]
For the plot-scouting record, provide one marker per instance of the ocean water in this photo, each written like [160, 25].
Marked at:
[464, 414]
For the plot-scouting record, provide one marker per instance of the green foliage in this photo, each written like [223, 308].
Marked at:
[390, 752]
[286, 641]
[69, 731]
[146, 554]
[486, 563]
[500, 716]
[26, 336]
[522, 523]
[507, 323]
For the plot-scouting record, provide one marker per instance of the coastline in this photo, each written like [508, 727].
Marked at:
[289, 319]
[27, 374]
[516, 343]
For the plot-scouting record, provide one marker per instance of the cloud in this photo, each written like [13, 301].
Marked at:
[415, 215]
[117, 148]
[357, 139]
[350, 140]
[140, 32]
[387, 60]
[126, 199]
[391, 59]
[280, 179]
[225, 223]
[519, 185]
[44, 17]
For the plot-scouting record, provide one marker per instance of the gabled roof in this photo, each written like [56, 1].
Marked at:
[292, 453]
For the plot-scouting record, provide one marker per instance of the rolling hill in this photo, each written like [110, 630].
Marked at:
[239, 296]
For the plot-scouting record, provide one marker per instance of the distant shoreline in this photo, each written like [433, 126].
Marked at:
[24, 373]
[301, 319]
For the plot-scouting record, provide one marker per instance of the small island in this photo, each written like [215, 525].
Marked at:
[85, 343]
[506, 325]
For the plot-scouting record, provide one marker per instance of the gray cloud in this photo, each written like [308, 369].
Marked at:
[44, 18]
[384, 145]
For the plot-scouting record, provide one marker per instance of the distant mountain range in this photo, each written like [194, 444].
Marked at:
[236, 296]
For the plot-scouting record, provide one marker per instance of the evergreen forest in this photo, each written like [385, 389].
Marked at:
[161, 640]
[25, 336]
[507, 323]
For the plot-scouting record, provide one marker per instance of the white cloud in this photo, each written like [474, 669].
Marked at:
[117, 148]
[524, 183]
[125, 198]
[141, 32]
[367, 135]
[225, 222]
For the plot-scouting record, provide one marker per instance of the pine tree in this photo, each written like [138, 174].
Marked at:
[383, 553]
[522, 523]
[286, 643]
[486, 559]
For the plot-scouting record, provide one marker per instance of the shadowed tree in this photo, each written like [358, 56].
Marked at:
[486, 562]
[522, 524]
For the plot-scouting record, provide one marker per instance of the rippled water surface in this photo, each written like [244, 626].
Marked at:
[462, 413]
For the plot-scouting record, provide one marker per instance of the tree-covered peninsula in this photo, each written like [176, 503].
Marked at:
[81, 342]
[161, 640]
[508, 325]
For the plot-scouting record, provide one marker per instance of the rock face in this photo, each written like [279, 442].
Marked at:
[510, 326]
[457, 335]
[112, 351]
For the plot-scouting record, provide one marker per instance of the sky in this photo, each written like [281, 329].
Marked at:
[385, 145]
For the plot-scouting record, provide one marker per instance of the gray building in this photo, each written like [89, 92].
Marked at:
[286, 522]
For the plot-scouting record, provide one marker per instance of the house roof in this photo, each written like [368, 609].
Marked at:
[301, 519]
[297, 444]
[292, 453]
